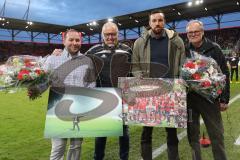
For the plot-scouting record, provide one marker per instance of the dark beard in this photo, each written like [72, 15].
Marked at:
[158, 31]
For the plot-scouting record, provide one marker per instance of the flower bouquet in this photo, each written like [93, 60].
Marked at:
[203, 76]
[24, 71]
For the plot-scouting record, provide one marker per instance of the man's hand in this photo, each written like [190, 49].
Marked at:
[57, 52]
[223, 107]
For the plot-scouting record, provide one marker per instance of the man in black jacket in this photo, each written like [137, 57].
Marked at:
[210, 112]
[233, 60]
[112, 60]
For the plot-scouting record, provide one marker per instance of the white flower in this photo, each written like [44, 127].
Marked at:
[192, 71]
[33, 75]
[8, 79]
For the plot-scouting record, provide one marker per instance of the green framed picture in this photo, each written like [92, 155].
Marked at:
[83, 112]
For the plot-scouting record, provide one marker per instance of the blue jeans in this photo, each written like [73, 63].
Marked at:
[100, 143]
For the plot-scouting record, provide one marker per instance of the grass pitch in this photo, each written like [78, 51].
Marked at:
[22, 128]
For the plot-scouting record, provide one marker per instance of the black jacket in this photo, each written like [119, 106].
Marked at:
[213, 50]
[234, 61]
[110, 63]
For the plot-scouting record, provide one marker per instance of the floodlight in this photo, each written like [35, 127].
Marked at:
[197, 2]
[110, 20]
[189, 4]
[94, 23]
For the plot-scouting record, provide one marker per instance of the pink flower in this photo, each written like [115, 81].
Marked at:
[23, 74]
[190, 64]
[196, 76]
[39, 71]
[28, 63]
[219, 91]
[206, 83]
[201, 64]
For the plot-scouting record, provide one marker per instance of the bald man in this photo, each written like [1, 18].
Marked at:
[112, 60]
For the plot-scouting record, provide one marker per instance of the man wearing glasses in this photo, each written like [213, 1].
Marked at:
[112, 60]
[210, 112]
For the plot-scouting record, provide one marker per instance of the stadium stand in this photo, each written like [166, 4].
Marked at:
[227, 38]
[9, 48]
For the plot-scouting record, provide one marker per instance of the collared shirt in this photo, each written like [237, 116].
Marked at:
[76, 76]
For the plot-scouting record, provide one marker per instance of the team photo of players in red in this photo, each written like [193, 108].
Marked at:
[166, 110]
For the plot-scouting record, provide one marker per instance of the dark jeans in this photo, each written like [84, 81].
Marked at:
[172, 143]
[211, 115]
[236, 73]
[100, 144]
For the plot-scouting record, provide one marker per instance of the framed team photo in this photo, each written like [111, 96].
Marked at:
[154, 102]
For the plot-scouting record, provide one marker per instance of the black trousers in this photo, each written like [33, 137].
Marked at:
[211, 115]
[236, 73]
[172, 143]
[100, 144]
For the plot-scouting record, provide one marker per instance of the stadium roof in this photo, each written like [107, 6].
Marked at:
[175, 12]
[18, 24]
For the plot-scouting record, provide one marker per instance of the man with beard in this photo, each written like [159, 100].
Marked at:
[159, 52]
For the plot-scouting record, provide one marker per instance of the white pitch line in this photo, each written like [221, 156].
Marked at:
[162, 148]
[183, 134]
[237, 142]
[234, 99]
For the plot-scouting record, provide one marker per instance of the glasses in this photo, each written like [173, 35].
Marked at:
[194, 32]
[110, 34]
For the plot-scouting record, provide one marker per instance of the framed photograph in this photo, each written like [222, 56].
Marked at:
[154, 102]
[84, 112]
